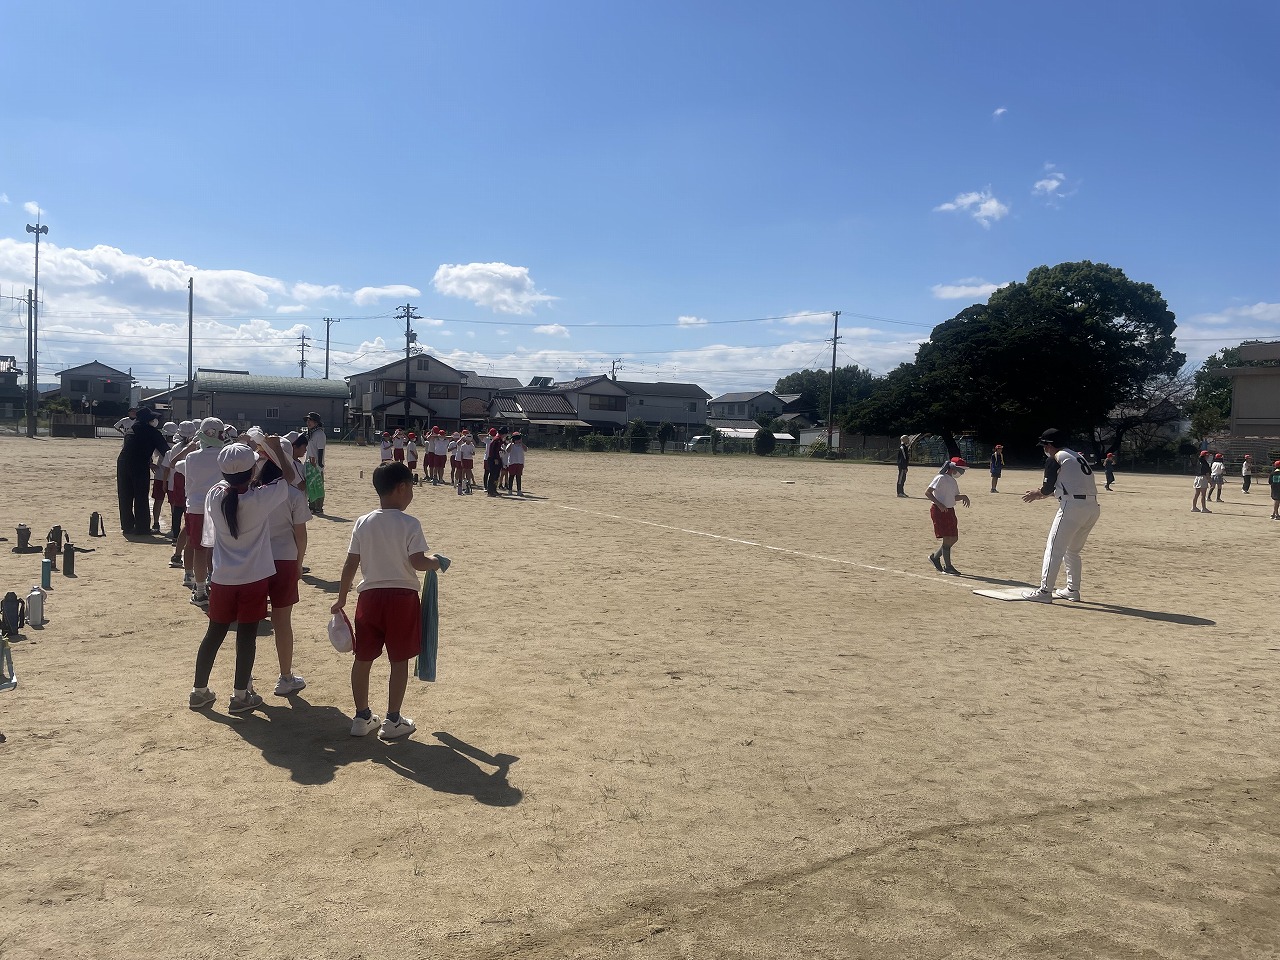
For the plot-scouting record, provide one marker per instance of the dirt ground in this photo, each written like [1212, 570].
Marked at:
[688, 706]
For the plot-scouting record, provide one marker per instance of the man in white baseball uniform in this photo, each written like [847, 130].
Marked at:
[1069, 478]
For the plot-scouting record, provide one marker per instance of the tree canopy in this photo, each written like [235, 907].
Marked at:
[853, 383]
[1064, 348]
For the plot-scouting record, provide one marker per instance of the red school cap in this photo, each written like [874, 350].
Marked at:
[959, 462]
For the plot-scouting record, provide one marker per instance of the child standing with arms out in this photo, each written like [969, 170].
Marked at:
[942, 493]
[238, 528]
[389, 548]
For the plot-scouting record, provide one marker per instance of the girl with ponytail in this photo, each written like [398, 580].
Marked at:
[237, 528]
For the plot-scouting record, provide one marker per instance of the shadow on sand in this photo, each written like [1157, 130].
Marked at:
[312, 742]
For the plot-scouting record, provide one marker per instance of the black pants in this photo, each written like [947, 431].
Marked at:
[133, 488]
[902, 481]
[1248, 479]
[246, 651]
[491, 470]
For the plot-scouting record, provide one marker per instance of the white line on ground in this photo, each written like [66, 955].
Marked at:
[934, 578]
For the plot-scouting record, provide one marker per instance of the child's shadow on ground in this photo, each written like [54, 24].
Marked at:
[312, 743]
[326, 586]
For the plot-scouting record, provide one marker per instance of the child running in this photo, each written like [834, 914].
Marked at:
[943, 492]
[238, 529]
[388, 548]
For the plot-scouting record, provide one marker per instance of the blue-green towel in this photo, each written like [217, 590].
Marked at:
[430, 629]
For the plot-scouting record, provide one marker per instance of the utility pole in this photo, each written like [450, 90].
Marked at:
[302, 349]
[33, 313]
[191, 322]
[614, 368]
[33, 394]
[407, 314]
[831, 393]
[328, 325]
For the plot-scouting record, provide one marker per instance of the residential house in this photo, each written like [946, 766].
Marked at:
[432, 388]
[96, 388]
[13, 398]
[478, 392]
[683, 404]
[542, 415]
[738, 411]
[797, 414]
[597, 401]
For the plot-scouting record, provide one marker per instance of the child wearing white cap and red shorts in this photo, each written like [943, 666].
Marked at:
[943, 493]
[238, 529]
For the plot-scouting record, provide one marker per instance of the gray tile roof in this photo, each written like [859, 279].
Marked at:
[280, 386]
[640, 389]
[740, 397]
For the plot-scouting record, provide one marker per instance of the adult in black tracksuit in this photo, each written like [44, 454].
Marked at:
[133, 472]
[904, 457]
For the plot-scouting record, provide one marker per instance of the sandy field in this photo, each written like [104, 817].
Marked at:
[688, 706]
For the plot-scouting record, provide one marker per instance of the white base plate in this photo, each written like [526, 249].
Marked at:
[1014, 594]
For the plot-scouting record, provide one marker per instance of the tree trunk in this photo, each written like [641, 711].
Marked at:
[953, 448]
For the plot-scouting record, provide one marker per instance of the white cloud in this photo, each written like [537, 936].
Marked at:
[367, 295]
[690, 322]
[552, 330]
[498, 286]
[999, 112]
[4, 198]
[32, 208]
[981, 205]
[818, 317]
[971, 288]
[1207, 333]
[308, 292]
[292, 308]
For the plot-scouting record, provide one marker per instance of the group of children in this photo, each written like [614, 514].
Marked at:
[503, 458]
[239, 506]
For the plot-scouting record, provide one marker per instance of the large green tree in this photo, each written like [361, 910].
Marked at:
[853, 383]
[1064, 348]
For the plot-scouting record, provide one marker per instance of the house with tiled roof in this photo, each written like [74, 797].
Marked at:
[683, 404]
[95, 387]
[415, 393]
[478, 391]
[597, 401]
[738, 411]
[241, 399]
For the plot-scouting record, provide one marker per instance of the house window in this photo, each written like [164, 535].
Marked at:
[273, 413]
[692, 407]
[641, 401]
[111, 386]
[442, 391]
[79, 386]
[607, 403]
[394, 388]
[422, 363]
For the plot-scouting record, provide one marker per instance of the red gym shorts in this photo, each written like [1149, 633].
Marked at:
[944, 522]
[195, 528]
[515, 469]
[282, 588]
[467, 464]
[157, 489]
[397, 456]
[238, 603]
[390, 617]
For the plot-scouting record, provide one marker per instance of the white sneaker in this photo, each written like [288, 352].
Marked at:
[393, 729]
[287, 686]
[362, 728]
[1063, 593]
[1037, 596]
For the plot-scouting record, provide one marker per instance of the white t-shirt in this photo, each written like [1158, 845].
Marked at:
[398, 441]
[246, 558]
[125, 424]
[440, 446]
[386, 449]
[1217, 470]
[945, 488]
[384, 541]
[283, 520]
[515, 454]
[466, 450]
[202, 473]
[315, 447]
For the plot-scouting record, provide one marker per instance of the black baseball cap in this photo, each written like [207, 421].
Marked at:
[1053, 436]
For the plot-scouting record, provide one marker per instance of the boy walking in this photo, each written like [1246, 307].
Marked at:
[389, 548]
[943, 493]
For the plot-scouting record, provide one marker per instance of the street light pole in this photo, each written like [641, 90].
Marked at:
[39, 230]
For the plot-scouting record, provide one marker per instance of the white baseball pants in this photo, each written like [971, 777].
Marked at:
[1067, 536]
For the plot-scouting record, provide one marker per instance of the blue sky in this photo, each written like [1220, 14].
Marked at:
[690, 188]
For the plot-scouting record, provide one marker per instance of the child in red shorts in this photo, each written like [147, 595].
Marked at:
[238, 528]
[389, 548]
[943, 493]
